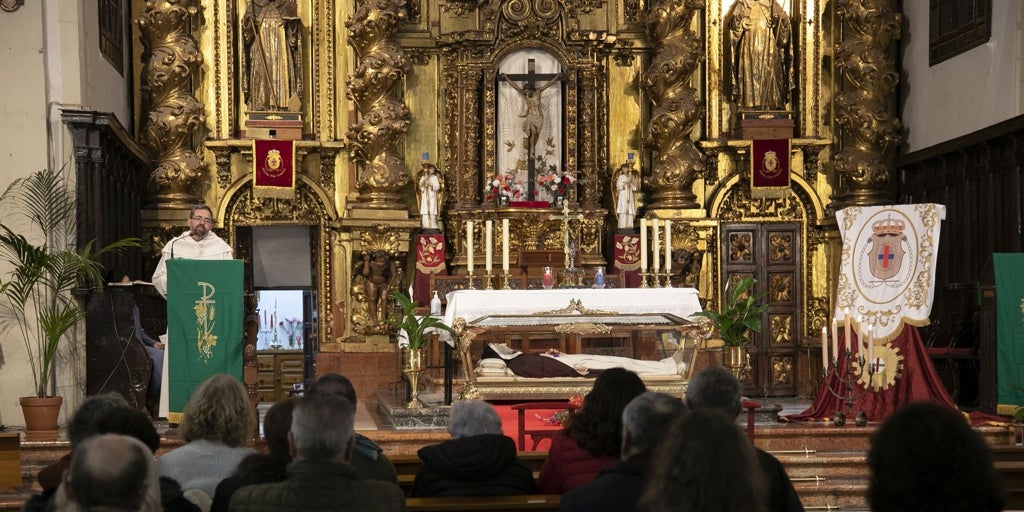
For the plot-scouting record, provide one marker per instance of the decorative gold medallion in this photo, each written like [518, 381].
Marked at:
[272, 167]
[888, 366]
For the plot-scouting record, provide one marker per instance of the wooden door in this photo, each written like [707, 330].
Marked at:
[770, 253]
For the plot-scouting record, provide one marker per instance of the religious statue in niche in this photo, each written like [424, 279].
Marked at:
[272, 56]
[529, 124]
[625, 192]
[533, 112]
[374, 287]
[429, 187]
[759, 55]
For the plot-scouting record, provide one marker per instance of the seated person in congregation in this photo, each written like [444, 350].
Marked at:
[368, 459]
[716, 388]
[320, 477]
[645, 422]
[592, 439]
[261, 468]
[478, 461]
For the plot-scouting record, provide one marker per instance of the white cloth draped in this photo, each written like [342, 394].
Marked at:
[887, 271]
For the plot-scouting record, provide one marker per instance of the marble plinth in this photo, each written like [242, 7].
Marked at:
[395, 415]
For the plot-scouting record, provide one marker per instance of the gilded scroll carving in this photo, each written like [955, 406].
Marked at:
[782, 370]
[383, 120]
[866, 106]
[172, 114]
[678, 51]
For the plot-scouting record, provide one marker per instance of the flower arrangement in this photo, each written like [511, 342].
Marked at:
[503, 185]
[561, 417]
[556, 183]
[293, 328]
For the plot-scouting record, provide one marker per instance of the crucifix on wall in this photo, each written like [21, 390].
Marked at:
[530, 141]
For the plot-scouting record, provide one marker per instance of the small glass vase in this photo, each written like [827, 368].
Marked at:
[502, 201]
[548, 279]
[599, 277]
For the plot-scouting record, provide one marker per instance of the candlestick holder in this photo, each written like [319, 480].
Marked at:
[844, 387]
[504, 280]
[643, 279]
[469, 285]
[668, 279]
[487, 281]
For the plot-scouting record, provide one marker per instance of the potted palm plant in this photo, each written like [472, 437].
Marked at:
[36, 292]
[740, 315]
[415, 328]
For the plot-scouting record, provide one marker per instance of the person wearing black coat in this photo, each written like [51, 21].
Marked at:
[478, 461]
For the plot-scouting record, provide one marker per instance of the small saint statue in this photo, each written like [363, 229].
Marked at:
[429, 188]
[626, 186]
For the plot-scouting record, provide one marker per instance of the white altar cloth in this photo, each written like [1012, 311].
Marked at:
[474, 304]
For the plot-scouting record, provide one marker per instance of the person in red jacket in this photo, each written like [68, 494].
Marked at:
[591, 440]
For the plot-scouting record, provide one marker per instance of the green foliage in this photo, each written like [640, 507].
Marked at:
[740, 314]
[36, 293]
[414, 326]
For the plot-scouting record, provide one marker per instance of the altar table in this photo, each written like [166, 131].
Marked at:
[633, 309]
[473, 304]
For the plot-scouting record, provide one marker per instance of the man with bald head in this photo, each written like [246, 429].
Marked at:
[109, 472]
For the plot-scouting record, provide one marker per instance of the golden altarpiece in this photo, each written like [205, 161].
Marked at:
[375, 84]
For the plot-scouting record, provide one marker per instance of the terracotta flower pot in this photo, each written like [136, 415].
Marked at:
[41, 413]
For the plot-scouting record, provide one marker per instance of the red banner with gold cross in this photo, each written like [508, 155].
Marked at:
[429, 261]
[769, 168]
[626, 259]
[273, 168]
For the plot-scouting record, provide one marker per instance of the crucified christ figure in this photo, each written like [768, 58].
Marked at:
[533, 114]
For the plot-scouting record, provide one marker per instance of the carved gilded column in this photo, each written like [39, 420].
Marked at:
[676, 162]
[462, 128]
[866, 107]
[590, 184]
[383, 120]
[172, 115]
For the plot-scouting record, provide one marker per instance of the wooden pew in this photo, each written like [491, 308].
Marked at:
[486, 503]
[407, 465]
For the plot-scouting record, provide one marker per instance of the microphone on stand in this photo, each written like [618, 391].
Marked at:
[174, 242]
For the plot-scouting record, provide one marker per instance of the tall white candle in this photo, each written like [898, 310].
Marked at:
[847, 332]
[861, 331]
[668, 246]
[656, 251]
[835, 340]
[488, 244]
[869, 339]
[824, 348]
[871, 348]
[860, 334]
[469, 246]
[643, 245]
[504, 245]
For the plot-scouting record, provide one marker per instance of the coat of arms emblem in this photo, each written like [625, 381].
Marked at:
[886, 254]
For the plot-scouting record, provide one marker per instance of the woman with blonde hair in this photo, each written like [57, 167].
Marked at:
[217, 424]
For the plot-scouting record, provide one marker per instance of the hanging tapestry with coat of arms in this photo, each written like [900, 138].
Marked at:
[887, 270]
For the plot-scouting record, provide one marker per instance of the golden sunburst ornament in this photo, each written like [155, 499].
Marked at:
[888, 366]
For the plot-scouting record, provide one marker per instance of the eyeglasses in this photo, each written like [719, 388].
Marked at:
[204, 220]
